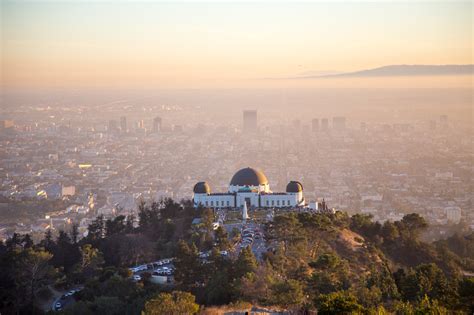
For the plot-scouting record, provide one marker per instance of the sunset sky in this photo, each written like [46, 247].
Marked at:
[187, 44]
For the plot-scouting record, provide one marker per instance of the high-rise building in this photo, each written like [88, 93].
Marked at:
[123, 124]
[315, 125]
[156, 124]
[339, 123]
[112, 128]
[250, 121]
[324, 124]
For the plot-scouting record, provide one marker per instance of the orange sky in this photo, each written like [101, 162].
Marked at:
[189, 44]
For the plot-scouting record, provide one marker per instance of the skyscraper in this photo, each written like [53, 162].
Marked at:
[324, 124]
[112, 128]
[339, 123]
[250, 121]
[157, 124]
[123, 124]
[315, 125]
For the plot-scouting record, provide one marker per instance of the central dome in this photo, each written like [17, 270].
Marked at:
[249, 177]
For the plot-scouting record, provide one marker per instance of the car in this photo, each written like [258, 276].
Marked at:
[137, 278]
[58, 305]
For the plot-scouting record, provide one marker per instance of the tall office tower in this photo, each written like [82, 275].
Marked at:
[324, 124]
[112, 126]
[123, 124]
[141, 124]
[250, 121]
[339, 123]
[315, 125]
[156, 124]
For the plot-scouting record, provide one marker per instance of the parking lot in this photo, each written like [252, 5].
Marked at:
[160, 268]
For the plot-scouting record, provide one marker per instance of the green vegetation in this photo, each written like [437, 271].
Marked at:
[330, 262]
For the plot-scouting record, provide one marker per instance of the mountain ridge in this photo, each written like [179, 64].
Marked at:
[403, 70]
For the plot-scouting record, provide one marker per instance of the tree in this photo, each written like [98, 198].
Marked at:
[426, 280]
[389, 232]
[66, 254]
[96, 230]
[27, 242]
[287, 293]
[466, 293]
[245, 263]
[176, 303]
[338, 303]
[91, 260]
[427, 306]
[75, 233]
[169, 208]
[221, 239]
[188, 266]
[326, 261]
[286, 229]
[34, 271]
[48, 242]
[413, 223]
[115, 226]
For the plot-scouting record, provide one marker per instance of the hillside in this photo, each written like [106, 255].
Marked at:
[329, 262]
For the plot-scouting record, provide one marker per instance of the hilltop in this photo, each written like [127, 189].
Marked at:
[329, 262]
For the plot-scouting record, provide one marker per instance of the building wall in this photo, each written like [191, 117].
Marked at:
[214, 201]
[255, 199]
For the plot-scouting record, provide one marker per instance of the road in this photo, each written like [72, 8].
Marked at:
[65, 300]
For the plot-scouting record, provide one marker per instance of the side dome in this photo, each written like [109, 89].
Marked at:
[294, 187]
[249, 177]
[202, 188]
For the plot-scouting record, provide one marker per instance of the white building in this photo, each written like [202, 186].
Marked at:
[249, 186]
[453, 214]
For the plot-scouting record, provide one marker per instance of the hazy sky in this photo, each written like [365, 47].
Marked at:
[193, 44]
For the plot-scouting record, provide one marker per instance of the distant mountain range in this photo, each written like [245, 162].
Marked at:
[403, 70]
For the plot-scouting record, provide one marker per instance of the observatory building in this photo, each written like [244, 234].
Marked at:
[249, 186]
